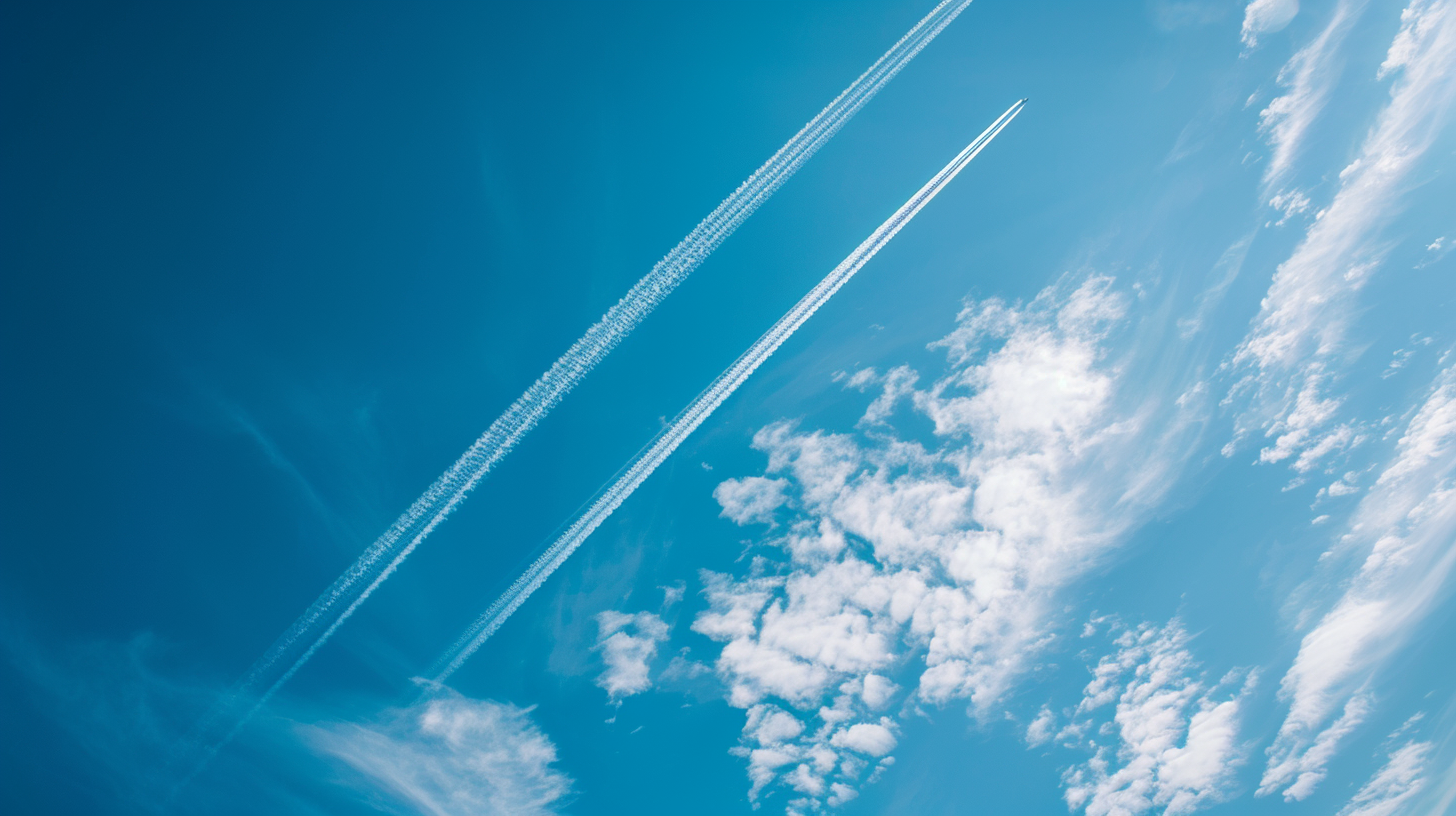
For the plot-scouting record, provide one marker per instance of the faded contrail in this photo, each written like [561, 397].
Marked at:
[708, 401]
[380, 560]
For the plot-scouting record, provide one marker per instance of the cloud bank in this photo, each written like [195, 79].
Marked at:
[938, 562]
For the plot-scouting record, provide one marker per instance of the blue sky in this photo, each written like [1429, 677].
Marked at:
[1119, 482]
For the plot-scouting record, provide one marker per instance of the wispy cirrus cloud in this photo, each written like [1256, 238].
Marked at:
[449, 755]
[1293, 349]
[1308, 77]
[110, 699]
[1405, 529]
[1397, 782]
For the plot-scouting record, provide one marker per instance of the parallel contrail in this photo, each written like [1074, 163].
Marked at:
[708, 401]
[379, 561]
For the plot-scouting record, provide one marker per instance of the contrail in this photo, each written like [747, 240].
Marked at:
[383, 557]
[701, 408]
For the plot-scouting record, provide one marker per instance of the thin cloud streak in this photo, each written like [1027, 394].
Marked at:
[1310, 76]
[319, 622]
[688, 421]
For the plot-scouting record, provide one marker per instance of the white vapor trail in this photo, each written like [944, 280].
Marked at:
[701, 408]
[319, 622]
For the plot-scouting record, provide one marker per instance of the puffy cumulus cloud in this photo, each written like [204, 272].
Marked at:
[1394, 785]
[1042, 728]
[874, 739]
[822, 764]
[937, 559]
[1303, 320]
[1266, 17]
[772, 743]
[452, 755]
[838, 621]
[1403, 530]
[628, 645]
[1343, 486]
[877, 691]
[750, 500]
[1177, 742]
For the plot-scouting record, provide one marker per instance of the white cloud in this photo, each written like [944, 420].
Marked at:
[751, 500]
[734, 606]
[1309, 76]
[1398, 360]
[1344, 486]
[628, 644]
[1297, 430]
[1404, 527]
[450, 755]
[1177, 741]
[897, 384]
[877, 691]
[1304, 769]
[1393, 785]
[769, 724]
[939, 560]
[1304, 318]
[1266, 17]
[839, 793]
[1440, 795]
[1041, 729]
[1435, 251]
[771, 745]
[875, 739]
[948, 556]
[836, 623]
[1290, 203]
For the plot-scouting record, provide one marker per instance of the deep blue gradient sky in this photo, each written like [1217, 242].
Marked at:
[266, 271]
